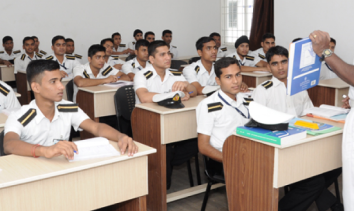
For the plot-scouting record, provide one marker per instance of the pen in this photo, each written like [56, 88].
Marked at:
[190, 92]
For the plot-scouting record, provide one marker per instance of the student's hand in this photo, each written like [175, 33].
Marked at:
[244, 87]
[7, 63]
[126, 51]
[111, 79]
[118, 66]
[179, 86]
[186, 96]
[65, 148]
[125, 143]
[346, 103]
[132, 52]
[63, 74]
[320, 41]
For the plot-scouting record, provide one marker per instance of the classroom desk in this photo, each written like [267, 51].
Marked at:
[253, 79]
[255, 170]
[329, 92]
[25, 90]
[28, 183]
[122, 56]
[185, 58]
[17, 94]
[3, 118]
[7, 73]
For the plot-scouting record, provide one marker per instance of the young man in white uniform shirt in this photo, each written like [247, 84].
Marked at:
[138, 35]
[8, 99]
[22, 61]
[222, 50]
[268, 41]
[118, 48]
[167, 37]
[36, 47]
[112, 60]
[8, 55]
[70, 49]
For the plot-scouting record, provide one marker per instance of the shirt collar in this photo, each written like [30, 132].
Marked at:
[239, 59]
[40, 116]
[236, 103]
[137, 64]
[276, 81]
[202, 68]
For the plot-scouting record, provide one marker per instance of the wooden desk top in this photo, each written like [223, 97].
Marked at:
[3, 118]
[19, 169]
[17, 94]
[98, 89]
[336, 83]
[256, 74]
[190, 104]
[185, 57]
[3, 65]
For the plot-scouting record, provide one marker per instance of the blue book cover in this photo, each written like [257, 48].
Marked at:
[323, 128]
[303, 68]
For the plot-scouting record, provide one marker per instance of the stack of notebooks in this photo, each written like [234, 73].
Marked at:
[328, 112]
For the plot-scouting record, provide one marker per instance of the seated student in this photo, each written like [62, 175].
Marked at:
[22, 61]
[70, 48]
[201, 73]
[66, 62]
[38, 128]
[114, 61]
[167, 37]
[149, 36]
[7, 56]
[268, 41]
[118, 48]
[36, 47]
[222, 50]
[326, 71]
[248, 62]
[96, 71]
[135, 65]
[8, 99]
[138, 35]
[273, 95]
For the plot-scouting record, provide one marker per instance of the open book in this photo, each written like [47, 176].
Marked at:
[98, 147]
[119, 84]
[326, 111]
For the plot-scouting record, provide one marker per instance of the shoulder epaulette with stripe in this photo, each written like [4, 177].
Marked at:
[176, 72]
[261, 56]
[197, 68]
[86, 74]
[115, 57]
[267, 84]
[27, 117]
[107, 70]
[23, 57]
[2, 52]
[78, 56]
[4, 90]
[49, 58]
[234, 57]
[148, 74]
[247, 100]
[43, 52]
[39, 55]
[223, 49]
[174, 46]
[70, 57]
[16, 52]
[133, 43]
[68, 107]
[133, 64]
[214, 107]
[249, 57]
[121, 45]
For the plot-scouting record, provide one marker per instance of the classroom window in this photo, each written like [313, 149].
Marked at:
[236, 19]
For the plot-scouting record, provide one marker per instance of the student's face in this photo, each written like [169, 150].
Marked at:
[142, 53]
[8, 45]
[167, 38]
[217, 41]
[109, 48]
[162, 58]
[98, 60]
[117, 39]
[268, 43]
[332, 46]
[51, 87]
[36, 44]
[70, 47]
[138, 36]
[243, 49]
[209, 51]
[150, 38]
[29, 46]
[59, 47]
[230, 80]
[279, 66]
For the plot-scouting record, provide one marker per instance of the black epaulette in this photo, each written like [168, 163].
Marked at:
[174, 46]
[223, 49]
[68, 108]
[1, 52]
[4, 90]
[43, 52]
[122, 45]
[107, 70]
[16, 52]
[70, 57]
[247, 100]
[197, 68]
[39, 55]
[133, 64]
[49, 58]
[267, 84]
[214, 107]
[27, 117]
[23, 57]
[261, 56]
[149, 61]
[176, 72]
[86, 74]
[78, 56]
[115, 57]
[250, 57]
[133, 43]
[148, 74]
[234, 56]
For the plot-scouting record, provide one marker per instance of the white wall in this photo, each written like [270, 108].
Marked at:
[299, 18]
[87, 22]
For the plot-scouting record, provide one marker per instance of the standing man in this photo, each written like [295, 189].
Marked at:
[222, 50]
[138, 35]
[268, 41]
[118, 48]
[149, 36]
[22, 61]
[70, 48]
[326, 70]
[167, 37]
[36, 47]
[7, 57]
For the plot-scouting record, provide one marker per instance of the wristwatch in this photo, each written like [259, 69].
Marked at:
[326, 53]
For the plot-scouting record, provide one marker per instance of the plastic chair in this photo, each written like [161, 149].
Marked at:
[130, 57]
[193, 59]
[2, 153]
[70, 90]
[124, 100]
[176, 64]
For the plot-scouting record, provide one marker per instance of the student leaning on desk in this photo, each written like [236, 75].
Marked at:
[42, 127]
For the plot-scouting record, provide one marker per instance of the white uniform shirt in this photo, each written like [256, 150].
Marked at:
[131, 45]
[218, 120]
[68, 64]
[222, 51]
[113, 60]
[34, 128]
[84, 71]
[150, 80]
[120, 48]
[326, 72]
[5, 56]
[133, 66]
[196, 72]
[275, 97]
[77, 57]
[8, 99]
[22, 61]
[249, 60]
[260, 54]
[174, 51]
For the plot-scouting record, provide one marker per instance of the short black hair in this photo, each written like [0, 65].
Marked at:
[6, 38]
[148, 33]
[36, 68]
[167, 31]
[141, 43]
[115, 34]
[276, 50]
[27, 38]
[155, 44]
[35, 37]
[56, 38]
[267, 35]
[296, 39]
[334, 41]
[106, 40]
[214, 34]
[137, 31]
[224, 62]
[200, 42]
[69, 40]
[94, 49]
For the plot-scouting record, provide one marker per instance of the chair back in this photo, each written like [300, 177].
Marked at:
[213, 169]
[130, 57]
[176, 64]
[124, 100]
[70, 90]
[193, 59]
[2, 153]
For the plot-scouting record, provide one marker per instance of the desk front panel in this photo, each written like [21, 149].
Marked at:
[7, 74]
[252, 81]
[104, 104]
